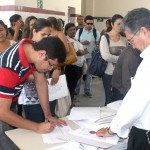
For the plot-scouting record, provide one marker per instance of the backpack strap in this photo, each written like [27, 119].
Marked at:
[107, 37]
[80, 32]
[94, 33]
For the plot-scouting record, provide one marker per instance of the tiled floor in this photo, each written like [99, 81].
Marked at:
[97, 91]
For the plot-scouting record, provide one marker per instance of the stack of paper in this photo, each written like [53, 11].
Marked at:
[53, 137]
[73, 146]
[84, 113]
[115, 105]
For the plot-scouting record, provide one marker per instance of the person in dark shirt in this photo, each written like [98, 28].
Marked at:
[125, 69]
[80, 21]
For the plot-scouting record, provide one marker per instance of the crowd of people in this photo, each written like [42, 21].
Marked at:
[31, 52]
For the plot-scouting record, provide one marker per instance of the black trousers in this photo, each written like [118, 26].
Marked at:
[106, 78]
[138, 140]
[73, 74]
[116, 95]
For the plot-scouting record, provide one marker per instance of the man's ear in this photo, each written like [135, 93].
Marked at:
[42, 54]
[33, 31]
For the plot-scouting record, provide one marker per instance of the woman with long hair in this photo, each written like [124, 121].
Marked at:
[110, 52]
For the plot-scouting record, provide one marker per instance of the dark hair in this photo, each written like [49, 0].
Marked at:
[27, 26]
[39, 25]
[79, 16]
[14, 18]
[116, 17]
[63, 22]
[5, 26]
[68, 25]
[88, 17]
[55, 23]
[136, 19]
[54, 48]
[110, 27]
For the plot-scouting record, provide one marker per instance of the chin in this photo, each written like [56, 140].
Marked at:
[40, 71]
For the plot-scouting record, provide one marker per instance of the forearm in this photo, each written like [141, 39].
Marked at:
[17, 121]
[42, 90]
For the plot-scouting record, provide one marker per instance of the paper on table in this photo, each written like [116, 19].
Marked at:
[83, 113]
[58, 90]
[73, 146]
[115, 105]
[52, 137]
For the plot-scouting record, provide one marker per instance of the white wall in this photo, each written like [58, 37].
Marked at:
[107, 8]
[55, 5]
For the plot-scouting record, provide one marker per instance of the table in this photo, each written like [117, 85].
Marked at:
[30, 140]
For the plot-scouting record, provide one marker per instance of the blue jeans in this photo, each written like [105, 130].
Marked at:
[88, 79]
[106, 78]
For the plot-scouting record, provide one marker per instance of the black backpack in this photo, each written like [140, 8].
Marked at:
[98, 64]
[94, 33]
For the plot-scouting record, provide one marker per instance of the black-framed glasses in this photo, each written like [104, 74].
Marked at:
[130, 41]
[89, 24]
[48, 59]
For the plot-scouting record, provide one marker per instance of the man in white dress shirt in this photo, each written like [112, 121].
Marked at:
[134, 114]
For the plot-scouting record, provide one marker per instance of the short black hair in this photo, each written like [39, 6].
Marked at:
[53, 46]
[14, 18]
[69, 25]
[88, 17]
[79, 16]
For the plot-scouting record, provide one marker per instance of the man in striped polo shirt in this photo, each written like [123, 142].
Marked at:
[16, 63]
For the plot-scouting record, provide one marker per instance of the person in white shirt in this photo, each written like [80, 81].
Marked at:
[134, 114]
[110, 52]
[73, 71]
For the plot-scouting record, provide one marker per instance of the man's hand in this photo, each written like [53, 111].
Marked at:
[85, 42]
[45, 127]
[56, 121]
[104, 132]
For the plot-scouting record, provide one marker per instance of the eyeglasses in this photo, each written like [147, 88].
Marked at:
[51, 65]
[89, 24]
[130, 41]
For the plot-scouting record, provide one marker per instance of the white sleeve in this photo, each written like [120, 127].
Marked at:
[77, 35]
[135, 109]
[104, 49]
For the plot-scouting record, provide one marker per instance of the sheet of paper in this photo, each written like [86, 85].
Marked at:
[53, 137]
[105, 112]
[115, 105]
[58, 90]
[73, 146]
[84, 133]
[84, 113]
